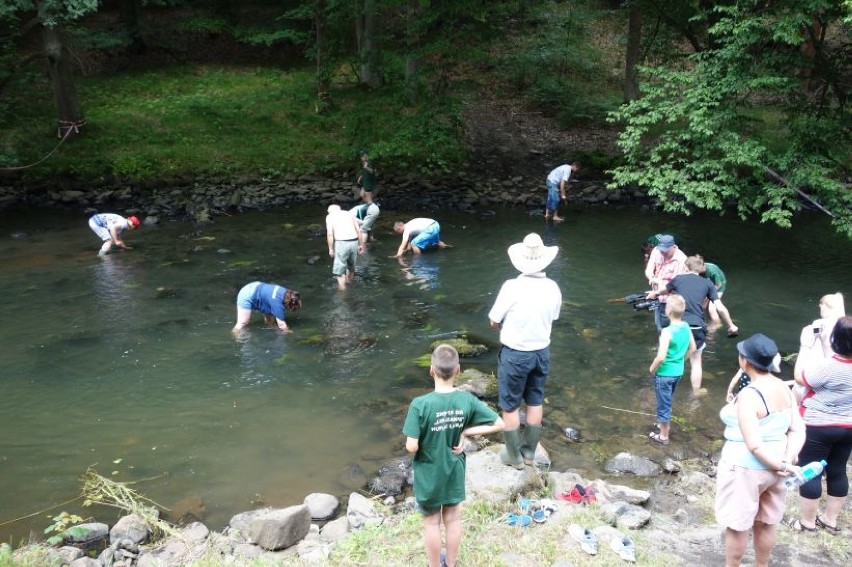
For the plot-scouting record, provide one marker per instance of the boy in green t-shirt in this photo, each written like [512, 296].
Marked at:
[436, 426]
[676, 343]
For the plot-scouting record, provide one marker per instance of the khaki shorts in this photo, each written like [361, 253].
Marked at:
[345, 254]
[745, 496]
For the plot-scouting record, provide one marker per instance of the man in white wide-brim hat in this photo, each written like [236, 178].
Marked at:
[523, 312]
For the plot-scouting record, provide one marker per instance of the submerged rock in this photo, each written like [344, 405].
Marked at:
[466, 349]
[572, 435]
[478, 383]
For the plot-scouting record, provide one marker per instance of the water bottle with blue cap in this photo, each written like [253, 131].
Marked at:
[805, 474]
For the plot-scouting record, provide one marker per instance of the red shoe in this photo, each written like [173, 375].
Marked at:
[576, 495]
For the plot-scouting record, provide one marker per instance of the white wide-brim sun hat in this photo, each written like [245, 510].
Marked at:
[531, 255]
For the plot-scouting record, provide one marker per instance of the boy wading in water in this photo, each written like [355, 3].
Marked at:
[435, 428]
[676, 343]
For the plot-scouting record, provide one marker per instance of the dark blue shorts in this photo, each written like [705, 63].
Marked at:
[521, 376]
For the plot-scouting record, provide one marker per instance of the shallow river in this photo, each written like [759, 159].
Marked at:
[127, 364]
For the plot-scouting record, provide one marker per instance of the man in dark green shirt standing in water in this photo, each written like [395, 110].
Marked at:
[367, 177]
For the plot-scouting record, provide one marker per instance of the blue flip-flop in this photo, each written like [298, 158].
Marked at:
[539, 516]
[524, 505]
[522, 520]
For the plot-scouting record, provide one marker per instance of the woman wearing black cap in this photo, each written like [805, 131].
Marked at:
[763, 435]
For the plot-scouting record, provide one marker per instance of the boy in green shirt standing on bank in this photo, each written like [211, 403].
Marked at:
[676, 343]
[435, 428]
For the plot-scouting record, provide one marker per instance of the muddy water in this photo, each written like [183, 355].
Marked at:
[127, 364]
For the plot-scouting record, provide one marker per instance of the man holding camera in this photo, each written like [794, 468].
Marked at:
[665, 262]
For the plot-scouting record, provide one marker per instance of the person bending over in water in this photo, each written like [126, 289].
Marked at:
[417, 235]
[109, 226]
[270, 300]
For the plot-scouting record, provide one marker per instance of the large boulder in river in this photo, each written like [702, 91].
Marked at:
[478, 383]
[624, 462]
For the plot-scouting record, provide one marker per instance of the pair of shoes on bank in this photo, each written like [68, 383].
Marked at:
[587, 539]
[579, 495]
[624, 547]
[521, 520]
[545, 509]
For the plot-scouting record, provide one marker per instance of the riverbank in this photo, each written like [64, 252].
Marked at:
[200, 198]
[669, 526]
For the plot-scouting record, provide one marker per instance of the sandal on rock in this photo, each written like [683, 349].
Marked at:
[655, 437]
[833, 530]
[797, 526]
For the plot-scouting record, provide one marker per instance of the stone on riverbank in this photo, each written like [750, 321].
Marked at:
[87, 536]
[322, 506]
[624, 462]
[392, 477]
[280, 529]
[361, 512]
[130, 527]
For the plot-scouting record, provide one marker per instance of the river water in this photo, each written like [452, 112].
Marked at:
[127, 364]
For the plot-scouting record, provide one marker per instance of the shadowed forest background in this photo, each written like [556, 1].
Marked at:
[711, 105]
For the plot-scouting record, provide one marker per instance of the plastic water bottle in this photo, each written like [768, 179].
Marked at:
[806, 473]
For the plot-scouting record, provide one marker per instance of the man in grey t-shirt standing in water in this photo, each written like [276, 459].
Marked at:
[557, 188]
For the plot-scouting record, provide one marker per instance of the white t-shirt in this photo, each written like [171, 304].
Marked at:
[527, 306]
[561, 173]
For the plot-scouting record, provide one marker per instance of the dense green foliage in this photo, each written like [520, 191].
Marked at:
[753, 122]
[743, 103]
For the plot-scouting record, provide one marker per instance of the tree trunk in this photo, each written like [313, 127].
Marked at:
[367, 49]
[633, 53]
[412, 57]
[130, 16]
[323, 72]
[62, 81]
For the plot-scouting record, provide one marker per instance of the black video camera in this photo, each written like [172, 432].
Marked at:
[649, 305]
[634, 298]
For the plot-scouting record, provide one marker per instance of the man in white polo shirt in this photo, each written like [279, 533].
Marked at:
[523, 312]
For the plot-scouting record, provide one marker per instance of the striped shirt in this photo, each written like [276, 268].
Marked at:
[828, 396]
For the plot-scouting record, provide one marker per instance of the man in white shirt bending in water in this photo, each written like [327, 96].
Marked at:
[557, 188]
[417, 235]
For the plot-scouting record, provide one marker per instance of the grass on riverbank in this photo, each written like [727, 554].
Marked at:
[220, 120]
